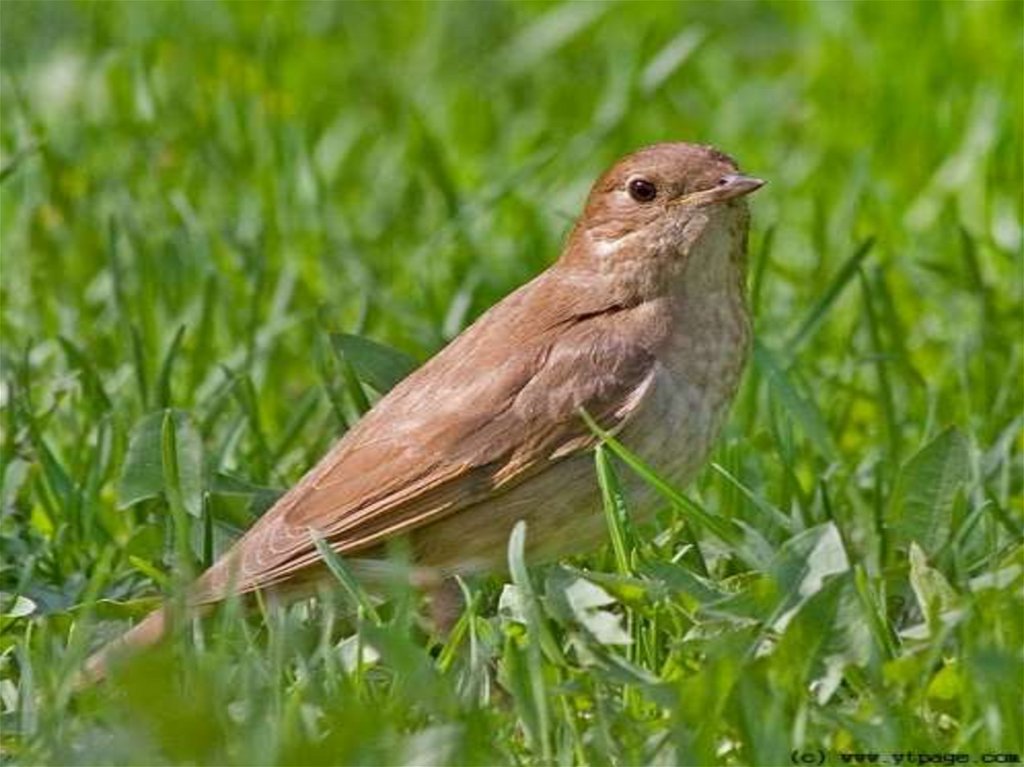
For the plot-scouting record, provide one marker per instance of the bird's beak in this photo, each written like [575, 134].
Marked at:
[728, 188]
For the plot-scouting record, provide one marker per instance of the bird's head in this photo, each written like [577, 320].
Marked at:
[658, 202]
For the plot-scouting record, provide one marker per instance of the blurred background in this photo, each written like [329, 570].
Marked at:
[392, 158]
[195, 196]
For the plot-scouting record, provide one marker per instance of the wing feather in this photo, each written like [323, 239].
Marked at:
[494, 408]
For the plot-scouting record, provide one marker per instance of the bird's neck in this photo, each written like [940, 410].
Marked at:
[713, 267]
[701, 263]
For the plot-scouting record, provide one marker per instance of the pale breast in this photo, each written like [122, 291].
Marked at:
[698, 373]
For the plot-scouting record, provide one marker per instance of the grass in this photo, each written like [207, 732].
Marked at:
[208, 210]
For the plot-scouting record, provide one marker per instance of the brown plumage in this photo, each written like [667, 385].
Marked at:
[642, 322]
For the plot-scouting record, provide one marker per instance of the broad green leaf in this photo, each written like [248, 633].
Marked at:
[615, 669]
[578, 603]
[681, 580]
[948, 684]
[380, 366]
[584, 595]
[921, 507]
[805, 560]
[355, 655]
[934, 594]
[827, 633]
[758, 602]
[635, 592]
[510, 605]
[16, 606]
[798, 571]
[142, 476]
[998, 579]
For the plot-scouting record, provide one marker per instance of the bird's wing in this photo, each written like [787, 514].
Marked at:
[500, 404]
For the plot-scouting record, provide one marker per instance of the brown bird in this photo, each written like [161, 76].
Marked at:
[642, 322]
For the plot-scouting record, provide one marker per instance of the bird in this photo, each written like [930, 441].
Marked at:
[641, 324]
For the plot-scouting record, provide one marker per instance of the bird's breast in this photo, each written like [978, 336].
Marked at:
[698, 370]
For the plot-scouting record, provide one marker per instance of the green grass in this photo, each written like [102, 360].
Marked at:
[199, 201]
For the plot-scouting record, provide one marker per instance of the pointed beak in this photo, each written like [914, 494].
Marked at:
[736, 185]
[728, 188]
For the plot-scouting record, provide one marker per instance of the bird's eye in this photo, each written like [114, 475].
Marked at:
[642, 190]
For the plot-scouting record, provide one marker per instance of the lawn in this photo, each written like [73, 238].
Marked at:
[228, 227]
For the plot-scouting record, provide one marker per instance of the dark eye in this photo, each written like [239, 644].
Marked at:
[642, 190]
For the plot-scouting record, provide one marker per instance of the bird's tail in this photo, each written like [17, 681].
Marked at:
[149, 631]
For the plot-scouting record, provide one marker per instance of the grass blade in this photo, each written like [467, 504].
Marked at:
[615, 513]
[745, 542]
[537, 636]
[346, 578]
[817, 313]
